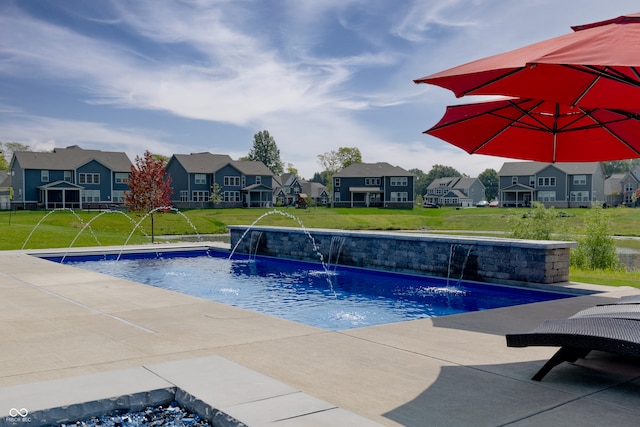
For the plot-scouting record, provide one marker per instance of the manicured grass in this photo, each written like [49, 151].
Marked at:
[608, 278]
[62, 229]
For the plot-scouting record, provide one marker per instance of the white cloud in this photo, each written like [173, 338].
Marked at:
[276, 66]
[45, 133]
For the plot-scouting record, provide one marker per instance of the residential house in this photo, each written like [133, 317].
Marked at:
[455, 191]
[68, 178]
[286, 189]
[613, 185]
[373, 185]
[238, 183]
[629, 185]
[289, 187]
[316, 192]
[5, 190]
[554, 184]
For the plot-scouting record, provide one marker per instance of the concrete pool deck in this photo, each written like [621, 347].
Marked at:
[64, 327]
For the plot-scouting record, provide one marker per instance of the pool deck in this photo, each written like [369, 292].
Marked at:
[65, 330]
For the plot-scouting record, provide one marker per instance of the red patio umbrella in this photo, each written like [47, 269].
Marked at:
[541, 131]
[598, 65]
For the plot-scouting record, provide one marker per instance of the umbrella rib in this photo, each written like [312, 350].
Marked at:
[605, 126]
[606, 72]
[489, 82]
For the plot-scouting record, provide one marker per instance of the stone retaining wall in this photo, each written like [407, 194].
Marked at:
[472, 258]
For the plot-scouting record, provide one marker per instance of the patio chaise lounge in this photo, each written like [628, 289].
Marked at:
[611, 328]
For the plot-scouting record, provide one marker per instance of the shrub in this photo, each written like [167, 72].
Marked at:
[539, 223]
[596, 248]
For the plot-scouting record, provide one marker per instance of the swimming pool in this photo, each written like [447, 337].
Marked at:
[334, 299]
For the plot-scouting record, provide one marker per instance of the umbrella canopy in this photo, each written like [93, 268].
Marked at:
[596, 66]
[541, 131]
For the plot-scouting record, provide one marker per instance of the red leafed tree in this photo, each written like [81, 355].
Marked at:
[149, 188]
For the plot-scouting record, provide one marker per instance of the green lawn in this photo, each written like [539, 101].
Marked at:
[63, 229]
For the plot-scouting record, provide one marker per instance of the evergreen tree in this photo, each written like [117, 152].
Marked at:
[266, 151]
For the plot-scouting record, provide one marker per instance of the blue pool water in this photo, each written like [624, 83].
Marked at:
[304, 292]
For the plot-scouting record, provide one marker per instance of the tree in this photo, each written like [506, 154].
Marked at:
[149, 189]
[320, 177]
[540, 223]
[619, 166]
[334, 161]
[291, 169]
[596, 247]
[489, 178]
[440, 171]
[164, 159]
[7, 149]
[420, 183]
[216, 194]
[266, 151]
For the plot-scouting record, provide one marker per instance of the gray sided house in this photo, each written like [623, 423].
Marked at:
[198, 178]
[613, 189]
[286, 189]
[316, 192]
[629, 184]
[68, 178]
[455, 191]
[553, 184]
[373, 185]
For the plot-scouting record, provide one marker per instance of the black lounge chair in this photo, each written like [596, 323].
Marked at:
[610, 328]
[630, 299]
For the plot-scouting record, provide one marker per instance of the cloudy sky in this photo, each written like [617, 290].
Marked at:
[206, 75]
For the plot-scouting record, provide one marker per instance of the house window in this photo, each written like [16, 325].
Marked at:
[579, 196]
[372, 181]
[580, 180]
[90, 196]
[184, 195]
[514, 180]
[89, 178]
[67, 176]
[118, 196]
[121, 177]
[399, 181]
[232, 181]
[546, 196]
[628, 193]
[399, 196]
[44, 176]
[336, 196]
[258, 180]
[336, 182]
[532, 181]
[231, 196]
[549, 181]
[200, 196]
[244, 181]
[199, 178]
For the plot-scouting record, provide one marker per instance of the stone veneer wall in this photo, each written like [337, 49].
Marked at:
[473, 258]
